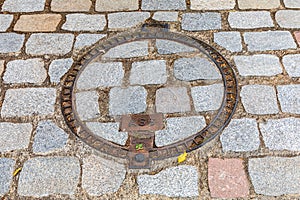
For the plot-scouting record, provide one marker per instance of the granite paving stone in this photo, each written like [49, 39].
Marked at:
[288, 18]
[37, 23]
[84, 22]
[258, 4]
[269, 40]
[1, 67]
[117, 5]
[259, 99]
[25, 71]
[86, 40]
[23, 5]
[58, 68]
[5, 22]
[14, 136]
[148, 72]
[212, 4]
[171, 47]
[248, 20]
[87, 105]
[208, 97]
[163, 5]
[227, 178]
[231, 41]
[44, 176]
[178, 128]
[258, 65]
[297, 36]
[11, 42]
[126, 19]
[165, 16]
[292, 3]
[179, 181]
[49, 43]
[101, 176]
[201, 21]
[291, 65]
[240, 135]
[172, 100]
[101, 75]
[289, 98]
[275, 176]
[130, 100]
[281, 134]
[6, 170]
[49, 137]
[28, 102]
[108, 131]
[128, 50]
[190, 69]
[71, 5]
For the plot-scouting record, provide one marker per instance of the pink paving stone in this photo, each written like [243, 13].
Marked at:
[297, 36]
[227, 178]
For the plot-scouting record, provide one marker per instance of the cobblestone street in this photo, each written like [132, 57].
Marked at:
[256, 156]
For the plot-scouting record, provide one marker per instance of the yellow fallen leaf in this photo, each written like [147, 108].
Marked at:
[182, 157]
[17, 171]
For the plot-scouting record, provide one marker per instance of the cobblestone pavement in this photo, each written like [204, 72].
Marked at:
[257, 156]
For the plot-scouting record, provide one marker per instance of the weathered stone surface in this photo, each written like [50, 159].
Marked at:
[108, 131]
[258, 4]
[212, 4]
[87, 105]
[207, 97]
[70, 5]
[128, 50]
[179, 181]
[117, 5]
[126, 19]
[14, 136]
[247, 20]
[6, 170]
[190, 69]
[178, 128]
[275, 176]
[201, 21]
[37, 23]
[281, 134]
[28, 102]
[227, 178]
[44, 176]
[5, 21]
[129, 100]
[289, 98]
[85, 40]
[58, 68]
[163, 5]
[269, 40]
[231, 41]
[288, 18]
[25, 71]
[1, 67]
[49, 43]
[83, 22]
[148, 72]
[101, 176]
[259, 99]
[258, 65]
[291, 64]
[240, 135]
[172, 100]
[165, 16]
[292, 3]
[23, 5]
[11, 42]
[170, 47]
[101, 75]
[48, 137]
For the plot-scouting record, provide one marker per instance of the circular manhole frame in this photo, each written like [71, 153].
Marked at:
[218, 123]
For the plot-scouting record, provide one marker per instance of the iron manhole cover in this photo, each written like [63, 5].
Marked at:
[149, 95]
